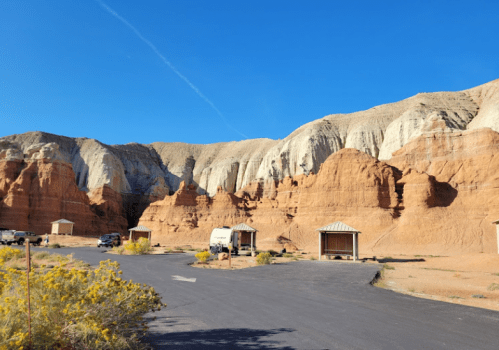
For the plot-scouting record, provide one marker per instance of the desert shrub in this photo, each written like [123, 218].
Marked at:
[312, 258]
[142, 246]
[73, 309]
[119, 250]
[178, 248]
[41, 255]
[55, 245]
[493, 286]
[203, 256]
[8, 253]
[264, 258]
[287, 255]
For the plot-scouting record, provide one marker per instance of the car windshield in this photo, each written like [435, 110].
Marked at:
[106, 237]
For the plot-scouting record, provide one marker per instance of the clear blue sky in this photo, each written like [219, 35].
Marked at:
[243, 69]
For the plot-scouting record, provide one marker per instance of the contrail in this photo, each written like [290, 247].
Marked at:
[170, 65]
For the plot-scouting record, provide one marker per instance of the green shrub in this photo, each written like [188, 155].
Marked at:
[263, 258]
[140, 247]
[203, 256]
[73, 309]
[287, 255]
[55, 245]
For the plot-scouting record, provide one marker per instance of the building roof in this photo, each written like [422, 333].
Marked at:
[337, 226]
[140, 228]
[62, 221]
[243, 227]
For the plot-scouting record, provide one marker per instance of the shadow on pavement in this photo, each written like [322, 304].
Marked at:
[387, 260]
[223, 338]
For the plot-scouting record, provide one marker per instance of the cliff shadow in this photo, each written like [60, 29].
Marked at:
[445, 194]
[223, 338]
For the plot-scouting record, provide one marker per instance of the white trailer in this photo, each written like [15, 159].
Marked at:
[224, 237]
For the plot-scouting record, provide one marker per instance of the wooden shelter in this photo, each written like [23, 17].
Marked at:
[338, 239]
[62, 227]
[246, 235]
[497, 232]
[138, 232]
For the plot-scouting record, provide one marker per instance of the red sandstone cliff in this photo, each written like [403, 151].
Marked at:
[35, 192]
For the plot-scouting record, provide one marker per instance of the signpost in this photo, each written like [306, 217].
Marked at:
[230, 256]
[28, 268]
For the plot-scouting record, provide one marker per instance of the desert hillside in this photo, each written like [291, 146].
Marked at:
[419, 172]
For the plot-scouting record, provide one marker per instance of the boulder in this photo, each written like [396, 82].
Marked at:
[223, 256]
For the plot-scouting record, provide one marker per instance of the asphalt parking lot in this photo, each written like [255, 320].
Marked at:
[300, 305]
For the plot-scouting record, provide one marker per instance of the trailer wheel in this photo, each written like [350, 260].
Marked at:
[20, 242]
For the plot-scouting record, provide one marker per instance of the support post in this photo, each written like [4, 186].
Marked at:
[28, 268]
[252, 254]
[320, 244]
[355, 246]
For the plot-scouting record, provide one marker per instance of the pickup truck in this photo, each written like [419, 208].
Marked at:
[19, 237]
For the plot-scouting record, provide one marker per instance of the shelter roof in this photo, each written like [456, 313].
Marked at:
[140, 228]
[243, 227]
[337, 226]
[62, 221]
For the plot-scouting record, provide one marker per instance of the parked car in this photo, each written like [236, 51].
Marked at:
[1, 231]
[19, 237]
[109, 240]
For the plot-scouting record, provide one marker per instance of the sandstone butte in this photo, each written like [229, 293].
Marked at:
[416, 177]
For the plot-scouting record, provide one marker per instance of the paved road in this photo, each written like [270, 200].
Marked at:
[301, 305]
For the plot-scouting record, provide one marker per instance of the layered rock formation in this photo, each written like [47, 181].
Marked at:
[438, 195]
[157, 169]
[441, 175]
[41, 188]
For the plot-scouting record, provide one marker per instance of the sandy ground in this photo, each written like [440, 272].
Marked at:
[471, 279]
[243, 261]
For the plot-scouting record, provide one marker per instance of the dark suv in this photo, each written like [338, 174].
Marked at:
[109, 240]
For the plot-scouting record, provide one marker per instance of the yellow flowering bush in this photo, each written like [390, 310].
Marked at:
[203, 256]
[263, 258]
[141, 246]
[73, 309]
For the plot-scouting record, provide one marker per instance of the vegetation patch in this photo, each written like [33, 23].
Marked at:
[264, 258]
[140, 247]
[72, 307]
[493, 286]
[203, 256]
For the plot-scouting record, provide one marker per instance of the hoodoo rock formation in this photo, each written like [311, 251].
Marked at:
[417, 175]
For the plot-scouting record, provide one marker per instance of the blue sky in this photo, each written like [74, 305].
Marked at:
[240, 69]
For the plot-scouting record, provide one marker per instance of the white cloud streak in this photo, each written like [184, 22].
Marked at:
[169, 64]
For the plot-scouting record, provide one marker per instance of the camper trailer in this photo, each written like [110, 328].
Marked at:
[224, 237]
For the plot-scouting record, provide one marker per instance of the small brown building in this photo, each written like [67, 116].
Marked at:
[338, 239]
[140, 231]
[62, 227]
[246, 235]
